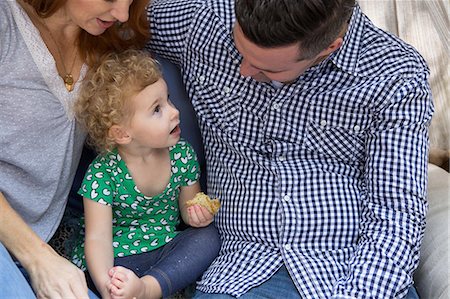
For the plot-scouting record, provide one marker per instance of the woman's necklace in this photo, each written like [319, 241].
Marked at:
[68, 78]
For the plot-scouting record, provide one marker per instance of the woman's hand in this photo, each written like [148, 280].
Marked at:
[52, 276]
[56, 277]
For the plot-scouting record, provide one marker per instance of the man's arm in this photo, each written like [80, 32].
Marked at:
[52, 276]
[393, 206]
[170, 25]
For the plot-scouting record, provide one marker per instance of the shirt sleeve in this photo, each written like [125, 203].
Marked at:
[170, 24]
[394, 207]
[97, 184]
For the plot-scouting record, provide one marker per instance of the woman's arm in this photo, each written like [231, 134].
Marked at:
[52, 276]
[196, 216]
[98, 243]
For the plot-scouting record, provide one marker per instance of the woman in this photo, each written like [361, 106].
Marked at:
[46, 47]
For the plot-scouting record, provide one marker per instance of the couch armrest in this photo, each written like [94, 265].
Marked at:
[432, 278]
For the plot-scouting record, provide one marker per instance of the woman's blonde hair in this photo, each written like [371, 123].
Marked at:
[106, 90]
[133, 34]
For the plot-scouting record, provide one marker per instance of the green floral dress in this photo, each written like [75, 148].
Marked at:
[140, 223]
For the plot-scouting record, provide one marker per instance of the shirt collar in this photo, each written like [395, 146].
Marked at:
[346, 57]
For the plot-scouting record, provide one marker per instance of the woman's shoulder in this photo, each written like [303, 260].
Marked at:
[5, 7]
[8, 29]
[6, 16]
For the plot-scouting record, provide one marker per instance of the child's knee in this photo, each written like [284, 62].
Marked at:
[210, 238]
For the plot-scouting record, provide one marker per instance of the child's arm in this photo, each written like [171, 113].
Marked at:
[98, 243]
[196, 216]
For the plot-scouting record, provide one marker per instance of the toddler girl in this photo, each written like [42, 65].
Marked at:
[136, 189]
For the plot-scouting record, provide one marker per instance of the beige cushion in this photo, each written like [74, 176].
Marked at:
[432, 278]
[425, 25]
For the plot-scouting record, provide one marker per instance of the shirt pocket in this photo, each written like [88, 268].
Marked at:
[337, 134]
[218, 99]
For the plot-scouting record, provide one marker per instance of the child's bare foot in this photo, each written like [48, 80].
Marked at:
[126, 285]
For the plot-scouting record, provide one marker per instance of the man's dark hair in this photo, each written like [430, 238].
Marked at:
[315, 24]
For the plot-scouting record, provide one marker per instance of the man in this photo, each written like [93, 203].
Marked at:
[315, 125]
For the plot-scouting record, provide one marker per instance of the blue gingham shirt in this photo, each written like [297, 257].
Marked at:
[326, 175]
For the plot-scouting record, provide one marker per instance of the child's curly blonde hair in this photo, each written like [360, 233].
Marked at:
[106, 90]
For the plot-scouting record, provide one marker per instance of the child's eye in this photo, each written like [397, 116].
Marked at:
[157, 109]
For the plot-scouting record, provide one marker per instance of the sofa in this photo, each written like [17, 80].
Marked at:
[422, 23]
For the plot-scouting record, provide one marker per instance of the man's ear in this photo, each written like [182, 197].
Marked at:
[336, 44]
[119, 134]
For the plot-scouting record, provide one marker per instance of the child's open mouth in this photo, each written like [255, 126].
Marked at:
[176, 130]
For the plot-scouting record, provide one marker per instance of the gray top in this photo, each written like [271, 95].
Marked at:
[40, 142]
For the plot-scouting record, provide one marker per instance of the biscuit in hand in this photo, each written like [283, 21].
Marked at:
[212, 205]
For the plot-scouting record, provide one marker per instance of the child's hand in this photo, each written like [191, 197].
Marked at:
[199, 216]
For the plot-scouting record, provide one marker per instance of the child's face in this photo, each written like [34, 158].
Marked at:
[155, 122]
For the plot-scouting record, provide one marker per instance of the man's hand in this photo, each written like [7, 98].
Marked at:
[55, 277]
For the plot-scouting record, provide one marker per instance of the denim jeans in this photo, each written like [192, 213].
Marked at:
[280, 285]
[14, 281]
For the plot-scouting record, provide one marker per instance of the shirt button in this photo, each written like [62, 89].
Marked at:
[236, 61]
[227, 90]
[201, 78]
[276, 106]
[356, 128]
[286, 197]
[323, 123]
[281, 158]
[287, 246]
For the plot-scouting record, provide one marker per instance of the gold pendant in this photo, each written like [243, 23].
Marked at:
[68, 82]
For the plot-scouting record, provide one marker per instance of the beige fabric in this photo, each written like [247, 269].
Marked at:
[425, 25]
[432, 278]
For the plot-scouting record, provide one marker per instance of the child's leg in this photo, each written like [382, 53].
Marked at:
[184, 259]
[179, 263]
